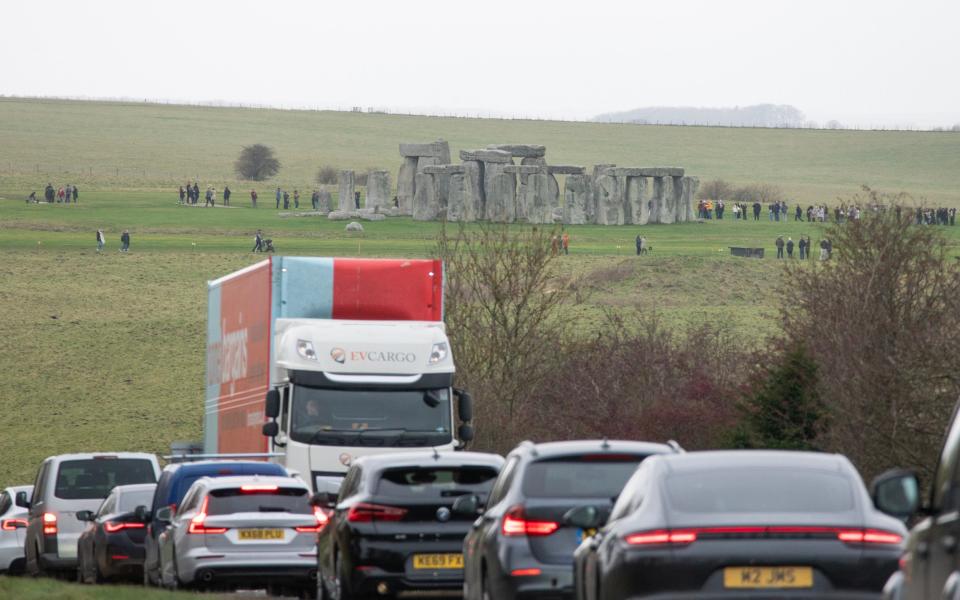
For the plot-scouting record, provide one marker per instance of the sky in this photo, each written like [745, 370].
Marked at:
[865, 63]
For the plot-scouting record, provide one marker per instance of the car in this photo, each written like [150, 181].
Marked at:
[111, 546]
[242, 531]
[930, 566]
[174, 482]
[399, 521]
[522, 546]
[740, 524]
[68, 483]
[14, 503]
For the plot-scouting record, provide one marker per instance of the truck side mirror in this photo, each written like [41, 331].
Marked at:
[271, 429]
[896, 493]
[465, 433]
[272, 405]
[23, 500]
[464, 405]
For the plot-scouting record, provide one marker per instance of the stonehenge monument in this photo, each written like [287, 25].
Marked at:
[415, 158]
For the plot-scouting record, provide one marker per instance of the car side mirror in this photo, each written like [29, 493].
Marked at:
[141, 514]
[164, 514]
[584, 517]
[271, 429]
[272, 404]
[464, 404]
[465, 432]
[896, 493]
[468, 505]
[22, 500]
[84, 515]
[323, 500]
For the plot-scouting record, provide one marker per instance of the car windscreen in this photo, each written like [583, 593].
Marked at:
[586, 476]
[94, 477]
[436, 482]
[129, 501]
[392, 418]
[753, 490]
[234, 500]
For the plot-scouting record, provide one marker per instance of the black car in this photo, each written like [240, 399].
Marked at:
[111, 545]
[740, 524]
[930, 567]
[399, 522]
[523, 544]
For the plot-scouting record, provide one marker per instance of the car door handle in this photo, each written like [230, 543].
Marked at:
[949, 543]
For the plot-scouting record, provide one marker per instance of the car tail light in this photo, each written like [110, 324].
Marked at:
[11, 524]
[115, 526]
[368, 513]
[525, 572]
[197, 522]
[119, 557]
[868, 536]
[253, 489]
[515, 522]
[321, 518]
[662, 536]
[49, 524]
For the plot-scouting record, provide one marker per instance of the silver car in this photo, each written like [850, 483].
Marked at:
[14, 503]
[245, 531]
[69, 483]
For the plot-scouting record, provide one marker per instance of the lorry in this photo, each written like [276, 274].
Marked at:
[313, 362]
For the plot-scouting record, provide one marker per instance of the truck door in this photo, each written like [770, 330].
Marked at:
[943, 540]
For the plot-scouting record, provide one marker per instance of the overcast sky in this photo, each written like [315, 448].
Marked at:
[870, 62]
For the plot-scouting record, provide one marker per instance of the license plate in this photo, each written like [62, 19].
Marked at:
[261, 534]
[767, 577]
[437, 561]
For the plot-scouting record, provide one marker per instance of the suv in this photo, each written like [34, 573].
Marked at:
[930, 567]
[13, 527]
[523, 543]
[69, 483]
[174, 482]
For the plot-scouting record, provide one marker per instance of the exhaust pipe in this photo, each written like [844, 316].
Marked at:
[206, 576]
[313, 575]
[383, 589]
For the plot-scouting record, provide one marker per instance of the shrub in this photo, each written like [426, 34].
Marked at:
[326, 175]
[256, 163]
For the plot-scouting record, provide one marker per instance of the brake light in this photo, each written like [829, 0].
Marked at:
[321, 518]
[252, 489]
[525, 572]
[49, 524]
[197, 522]
[11, 524]
[662, 536]
[368, 513]
[868, 536]
[516, 523]
[115, 526]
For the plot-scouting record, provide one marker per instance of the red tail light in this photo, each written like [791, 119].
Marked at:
[662, 536]
[368, 513]
[516, 523]
[253, 489]
[868, 536]
[11, 524]
[197, 522]
[49, 524]
[525, 572]
[321, 518]
[688, 536]
[115, 526]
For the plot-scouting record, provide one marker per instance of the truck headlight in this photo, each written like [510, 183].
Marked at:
[305, 349]
[437, 353]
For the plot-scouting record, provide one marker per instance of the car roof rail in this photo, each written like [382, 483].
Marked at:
[529, 444]
[675, 445]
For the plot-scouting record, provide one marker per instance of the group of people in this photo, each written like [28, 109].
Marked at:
[805, 245]
[124, 241]
[190, 195]
[65, 195]
[936, 216]
[560, 243]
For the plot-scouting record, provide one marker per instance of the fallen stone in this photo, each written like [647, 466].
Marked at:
[648, 172]
[354, 226]
[487, 156]
[566, 170]
[521, 150]
[373, 217]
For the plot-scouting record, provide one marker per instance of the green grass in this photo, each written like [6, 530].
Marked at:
[48, 589]
[101, 145]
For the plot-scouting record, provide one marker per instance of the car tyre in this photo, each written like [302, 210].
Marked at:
[32, 561]
[485, 586]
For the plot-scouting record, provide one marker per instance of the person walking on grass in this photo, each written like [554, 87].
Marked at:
[253, 198]
[779, 246]
[125, 241]
[803, 247]
[296, 198]
[196, 192]
[101, 241]
[258, 242]
[566, 243]
[226, 196]
[789, 247]
[279, 195]
[182, 195]
[315, 200]
[286, 200]
[76, 194]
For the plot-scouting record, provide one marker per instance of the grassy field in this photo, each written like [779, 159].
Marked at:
[105, 146]
[16, 588]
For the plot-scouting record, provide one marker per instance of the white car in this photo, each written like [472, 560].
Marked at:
[248, 531]
[14, 509]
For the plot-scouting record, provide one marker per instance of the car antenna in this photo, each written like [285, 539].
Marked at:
[675, 445]
[436, 455]
[606, 444]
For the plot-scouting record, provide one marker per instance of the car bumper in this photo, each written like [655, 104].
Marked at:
[210, 567]
[367, 580]
[11, 550]
[761, 595]
[555, 582]
[55, 562]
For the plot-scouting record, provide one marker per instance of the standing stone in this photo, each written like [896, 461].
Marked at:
[500, 189]
[546, 197]
[326, 201]
[347, 183]
[474, 200]
[576, 195]
[526, 190]
[406, 185]
[668, 202]
[608, 199]
[690, 185]
[426, 202]
[378, 189]
[636, 209]
[458, 209]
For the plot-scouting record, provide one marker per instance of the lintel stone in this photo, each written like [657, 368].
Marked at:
[648, 172]
[491, 156]
[521, 150]
[566, 170]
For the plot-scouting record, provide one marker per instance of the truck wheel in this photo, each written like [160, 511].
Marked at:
[33, 561]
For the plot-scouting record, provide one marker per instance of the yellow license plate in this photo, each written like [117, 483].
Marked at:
[437, 561]
[767, 577]
[261, 534]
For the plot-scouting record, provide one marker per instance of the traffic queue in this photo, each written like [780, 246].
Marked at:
[589, 519]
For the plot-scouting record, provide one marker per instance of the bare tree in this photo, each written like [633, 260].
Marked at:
[715, 189]
[326, 175]
[256, 163]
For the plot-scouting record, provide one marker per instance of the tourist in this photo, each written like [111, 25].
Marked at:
[258, 242]
[315, 200]
[76, 195]
[554, 245]
[253, 198]
[296, 198]
[789, 247]
[125, 241]
[278, 198]
[196, 192]
[101, 241]
[798, 215]
[226, 196]
[68, 193]
[286, 200]
[756, 211]
[639, 244]
[356, 200]
[779, 244]
[208, 197]
[182, 195]
[32, 198]
[803, 248]
[566, 243]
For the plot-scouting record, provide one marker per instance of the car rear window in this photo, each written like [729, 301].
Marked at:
[185, 481]
[760, 490]
[230, 501]
[587, 476]
[129, 501]
[436, 482]
[94, 477]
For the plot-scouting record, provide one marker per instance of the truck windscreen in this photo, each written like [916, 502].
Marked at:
[401, 418]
